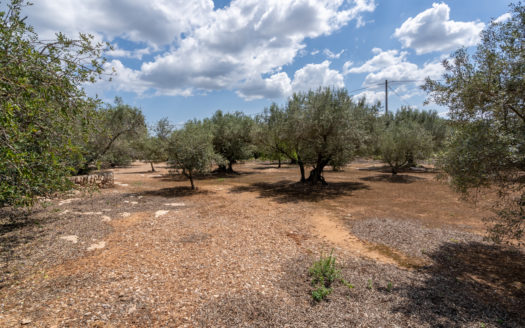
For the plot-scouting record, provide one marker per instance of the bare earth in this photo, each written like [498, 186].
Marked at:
[236, 252]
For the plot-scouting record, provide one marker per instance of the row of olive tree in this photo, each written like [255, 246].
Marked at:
[314, 130]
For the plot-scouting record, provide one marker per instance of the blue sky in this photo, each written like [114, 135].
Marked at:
[185, 59]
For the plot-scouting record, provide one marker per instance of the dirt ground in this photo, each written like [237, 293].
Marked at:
[235, 253]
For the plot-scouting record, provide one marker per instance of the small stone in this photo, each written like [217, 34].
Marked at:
[99, 245]
[26, 321]
[105, 218]
[71, 238]
[125, 214]
[175, 204]
[160, 213]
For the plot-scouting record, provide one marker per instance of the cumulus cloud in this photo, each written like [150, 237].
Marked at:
[275, 86]
[393, 65]
[279, 85]
[503, 18]
[313, 76]
[371, 97]
[155, 22]
[240, 47]
[433, 30]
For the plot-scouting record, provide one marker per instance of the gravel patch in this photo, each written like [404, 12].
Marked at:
[409, 237]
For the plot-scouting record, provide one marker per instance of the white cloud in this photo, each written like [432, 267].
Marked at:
[313, 76]
[243, 45]
[433, 30]
[117, 52]
[503, 18]
[279, 85]
[332, 55]
[393, 65]
[155, 22]
[382, 59]
[371, 97]
[276, 86]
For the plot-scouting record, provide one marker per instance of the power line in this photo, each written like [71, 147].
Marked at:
[403, 100]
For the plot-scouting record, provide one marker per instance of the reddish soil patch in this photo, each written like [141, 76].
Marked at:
[236, 252]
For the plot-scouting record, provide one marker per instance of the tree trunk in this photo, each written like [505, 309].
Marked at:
[152, 168]
[279, 166]
[410, 160]
[191, 181]
[230, 167]
[316, 176]
[293, 161]
[394, 170]
[301, 167]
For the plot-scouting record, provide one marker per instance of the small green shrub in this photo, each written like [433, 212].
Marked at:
[321, 293]
[324, 272]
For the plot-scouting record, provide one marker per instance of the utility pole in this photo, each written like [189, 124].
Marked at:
[386, 97]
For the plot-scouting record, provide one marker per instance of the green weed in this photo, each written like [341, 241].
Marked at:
[324, 272]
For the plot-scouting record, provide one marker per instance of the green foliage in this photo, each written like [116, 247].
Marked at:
[484, 94]
[114, 133]
[269, 134]
[403, 141]
[317, 128]
[324, 273]
[155, 148]
[436, 126]
[320, 293]
[43, 107]
[232, 137]
[191, 149]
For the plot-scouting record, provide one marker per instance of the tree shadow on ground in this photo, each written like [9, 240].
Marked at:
[392, 178]
[140, 172]
[388, 169]
[286, 191]
[469, 282]
[208, 176]
[15, 231]
[174, 192]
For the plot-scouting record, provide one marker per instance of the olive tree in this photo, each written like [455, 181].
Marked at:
[232, 137]
[269, 134]
[324, 126]
[154, 148]
[402, 142]
[43, 106]
[485, 96]
[191, 149]
[114, 131]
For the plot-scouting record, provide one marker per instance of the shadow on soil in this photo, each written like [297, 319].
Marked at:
[286, 191]
[210, 176]
[392, 178]
[174, 192]
[470, 282]
[387, 169]
[14, 226]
